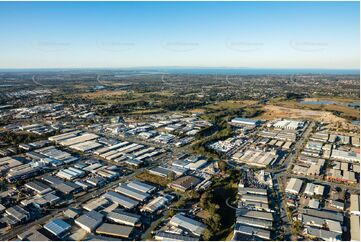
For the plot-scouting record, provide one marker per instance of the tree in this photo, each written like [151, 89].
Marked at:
[192, 194]
[222, 165]
[171, 213]
[207, 235]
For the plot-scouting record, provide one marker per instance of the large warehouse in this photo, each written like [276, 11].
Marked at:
[294, 186]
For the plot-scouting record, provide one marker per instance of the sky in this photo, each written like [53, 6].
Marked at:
[185, 34]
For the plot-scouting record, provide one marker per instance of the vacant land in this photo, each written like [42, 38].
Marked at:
[230, 104]
[272, 112]
[335, 122]
[146, 176]
[339, 110]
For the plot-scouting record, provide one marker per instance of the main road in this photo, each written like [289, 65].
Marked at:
[298, 146]
[277, 180]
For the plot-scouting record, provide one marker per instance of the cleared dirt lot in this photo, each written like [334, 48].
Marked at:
[231, 104]
[343, 110]
[272, 112]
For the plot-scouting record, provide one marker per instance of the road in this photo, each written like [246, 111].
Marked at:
[298, 147]
[277, 175]
[284, 220]
[38, 83]
[230, 83]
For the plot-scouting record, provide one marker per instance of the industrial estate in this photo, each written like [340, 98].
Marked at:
[124, 156]
[180, 120]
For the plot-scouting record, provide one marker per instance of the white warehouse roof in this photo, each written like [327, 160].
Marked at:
[194, 226]
[121, 200]
[294, 186]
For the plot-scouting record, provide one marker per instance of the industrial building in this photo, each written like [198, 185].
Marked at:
[72, 213]
[86, 146]
[95, 204]
[123, 201]
[289, 124]
[250, 190]
[314, 189]
[23, 172]
[184, 222]
[67, 188]
[254, 222]
[242, 212]
[78, 139]
[122, 217]
[131, 192]
[341, 176]
[294, 186]
[254, 198]
[115, 230]
[18, 213]
[157, 203]
[7, 163]
[257, 158]
[334, 226]
[355, 227]
[323, 234]
[70, 173]
[64, 136]
[89, 221]
[184, 183]
[141, 186]
[252, 231]
[245, 121]
[349, 156]
[33, 235]
[38, 187]
[256, 206]
[355, 204]
[58, 227]
[324, 214]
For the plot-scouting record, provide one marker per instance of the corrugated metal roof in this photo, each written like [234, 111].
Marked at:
[141, 186]
[122, 217]
[131, 192]
[90, 220]
[57, 227]
[192, 225]
[120, 199]
[115, 230]
[248, 230]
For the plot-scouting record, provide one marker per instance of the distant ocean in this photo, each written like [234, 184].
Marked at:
[197, 71]
[253, 71]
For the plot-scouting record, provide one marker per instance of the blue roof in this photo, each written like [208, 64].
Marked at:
[57, 226]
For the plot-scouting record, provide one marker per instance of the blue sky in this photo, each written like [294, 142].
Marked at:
[192, 34]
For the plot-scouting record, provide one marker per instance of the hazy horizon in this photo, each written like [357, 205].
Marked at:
[199, 70]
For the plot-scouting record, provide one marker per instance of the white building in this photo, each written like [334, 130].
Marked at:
[294, 186]
[179, 220]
